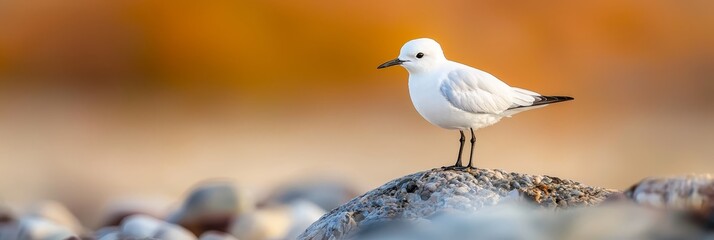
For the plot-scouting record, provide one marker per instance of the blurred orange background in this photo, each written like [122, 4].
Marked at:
[102, 99]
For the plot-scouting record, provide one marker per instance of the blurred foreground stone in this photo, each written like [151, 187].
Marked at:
[493, 204]
[215, 235]
[519, 221]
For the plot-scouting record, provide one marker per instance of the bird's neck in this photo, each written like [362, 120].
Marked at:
[427, 68]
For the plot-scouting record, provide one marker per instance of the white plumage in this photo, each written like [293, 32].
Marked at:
[452, 95]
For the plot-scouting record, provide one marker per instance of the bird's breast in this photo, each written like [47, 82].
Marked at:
[428, 100]
[431, 104]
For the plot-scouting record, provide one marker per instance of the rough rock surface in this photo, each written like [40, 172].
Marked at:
[426, 194]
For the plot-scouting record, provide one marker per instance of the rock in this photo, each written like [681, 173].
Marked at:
[116, 210]
[276, 222]
[425, 194]
[34, 228]
[519, 221]
[266, 223]
[693, 194]
[146, 227]
[107, 232]
[8, 223]
[6, 214]
[623, 220]
[57, 213]
[173, 232]
[216, 235]
[303, 214]
[110, 236]
[140, 226]
[328, 194]
[212, 206]
[9, 230]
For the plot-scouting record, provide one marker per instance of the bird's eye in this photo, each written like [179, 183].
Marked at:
[420, 55]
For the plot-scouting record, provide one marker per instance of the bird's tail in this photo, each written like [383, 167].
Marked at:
[542, 100]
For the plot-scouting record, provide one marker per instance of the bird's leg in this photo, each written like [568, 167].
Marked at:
[461, 148]
[471, 157]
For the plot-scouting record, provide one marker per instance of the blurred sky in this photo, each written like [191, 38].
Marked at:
[100, 99]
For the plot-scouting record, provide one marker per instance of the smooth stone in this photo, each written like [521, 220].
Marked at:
[140, 226]
[34, 228]
[212, 206]
[57, 213]
[216, 235]
[276, 222]
[169, 231]
[114, 211]
[327, 194]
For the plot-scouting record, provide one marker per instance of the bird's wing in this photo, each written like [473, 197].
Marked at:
[524, 100]
[527, 98]
[476, 91]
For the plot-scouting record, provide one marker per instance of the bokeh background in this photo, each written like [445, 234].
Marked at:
[107, 99]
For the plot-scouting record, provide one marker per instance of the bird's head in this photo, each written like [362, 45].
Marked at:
[418, 55]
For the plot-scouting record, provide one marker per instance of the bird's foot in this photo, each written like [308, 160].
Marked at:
[455, 168]
[459, 168]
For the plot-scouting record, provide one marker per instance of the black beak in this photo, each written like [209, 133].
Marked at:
[390, 63]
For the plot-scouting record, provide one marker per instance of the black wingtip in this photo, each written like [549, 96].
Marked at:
[541, 100]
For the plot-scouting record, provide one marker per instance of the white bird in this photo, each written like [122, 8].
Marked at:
[452, 95]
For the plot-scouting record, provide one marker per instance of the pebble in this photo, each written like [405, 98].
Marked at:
[303, 214]
[169, 231]
[537, 179]
[103, 231]
[140, 226]
[546, 180]
[57, 213]
[430, 186]
[6, 215]
[327, 194]
[692, 193]
[212, 206]
[267, 223]
[116, 210]
[216, 235]
[497, 175]
[35, 228]
[461, 190]
[9, 230]
[110, 236]
[277, 222]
